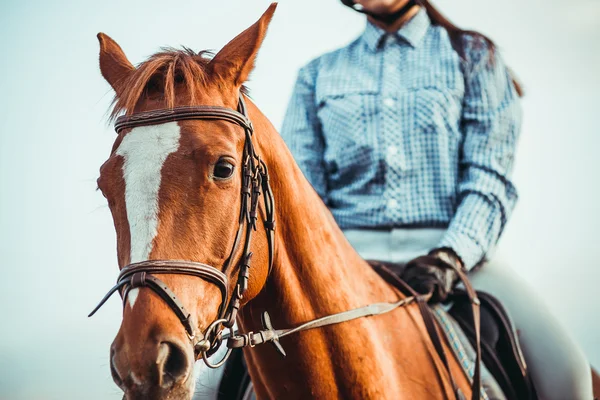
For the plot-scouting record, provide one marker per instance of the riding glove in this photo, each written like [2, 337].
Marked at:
[434, 273]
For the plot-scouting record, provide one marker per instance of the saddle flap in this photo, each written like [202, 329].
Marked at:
[501, 351]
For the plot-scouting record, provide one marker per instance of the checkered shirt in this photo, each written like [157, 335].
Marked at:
[397, 130]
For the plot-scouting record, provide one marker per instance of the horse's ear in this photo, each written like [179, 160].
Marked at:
[235, 61]
[114, 65]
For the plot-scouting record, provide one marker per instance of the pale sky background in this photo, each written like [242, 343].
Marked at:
[57, 241]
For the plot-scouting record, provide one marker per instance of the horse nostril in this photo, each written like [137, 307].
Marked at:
[173, 363]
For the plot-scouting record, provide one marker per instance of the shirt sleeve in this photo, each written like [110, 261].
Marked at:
[491, 121]
[301, 131]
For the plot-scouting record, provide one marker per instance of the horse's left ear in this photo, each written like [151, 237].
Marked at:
[235, 61]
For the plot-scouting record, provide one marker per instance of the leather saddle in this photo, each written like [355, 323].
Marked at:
[501, 352]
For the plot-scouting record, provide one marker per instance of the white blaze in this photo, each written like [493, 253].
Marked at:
[144, 151]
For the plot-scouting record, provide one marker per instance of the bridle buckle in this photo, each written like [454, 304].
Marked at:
[250, 339]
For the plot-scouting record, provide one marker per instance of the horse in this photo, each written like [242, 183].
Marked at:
[184, 181]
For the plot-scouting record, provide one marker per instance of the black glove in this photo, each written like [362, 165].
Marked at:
[434, 273]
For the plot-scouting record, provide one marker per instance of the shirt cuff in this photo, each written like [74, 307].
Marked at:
[467, 248]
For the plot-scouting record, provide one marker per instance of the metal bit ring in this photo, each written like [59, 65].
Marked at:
[205, 349]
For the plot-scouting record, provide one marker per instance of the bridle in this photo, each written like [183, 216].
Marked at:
[255, 181]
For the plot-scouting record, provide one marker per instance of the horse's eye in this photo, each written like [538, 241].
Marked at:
[223, 169]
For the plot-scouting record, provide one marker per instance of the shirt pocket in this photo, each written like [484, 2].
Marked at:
[348, 116]
[437, 103]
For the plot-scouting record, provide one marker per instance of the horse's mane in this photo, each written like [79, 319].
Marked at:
[160, 74]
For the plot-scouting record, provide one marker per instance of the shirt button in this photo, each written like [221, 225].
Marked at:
[389, 102]
[390, 69]
[392, 150]
[392, 203]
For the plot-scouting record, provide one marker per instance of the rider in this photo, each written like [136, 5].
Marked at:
[408, 135]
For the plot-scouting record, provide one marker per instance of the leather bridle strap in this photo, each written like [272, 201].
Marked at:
[182, 113]
[428, 318]
[475, 312]
[143, 279]
[269, 222]
[269, 334]
[139, 275]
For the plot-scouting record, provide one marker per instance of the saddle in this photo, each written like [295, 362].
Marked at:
[500, 349]
[504, 368]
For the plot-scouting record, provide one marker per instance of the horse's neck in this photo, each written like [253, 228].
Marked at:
[316, 273]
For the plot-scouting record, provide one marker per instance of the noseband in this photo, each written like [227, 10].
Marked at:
[255, 181]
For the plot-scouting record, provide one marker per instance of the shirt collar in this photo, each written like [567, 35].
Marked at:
[412, 32]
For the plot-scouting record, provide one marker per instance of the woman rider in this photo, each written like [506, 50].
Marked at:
[408, 135]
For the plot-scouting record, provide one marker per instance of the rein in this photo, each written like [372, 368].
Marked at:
[255, 181]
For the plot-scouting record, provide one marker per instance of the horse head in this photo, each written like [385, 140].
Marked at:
[178, 189]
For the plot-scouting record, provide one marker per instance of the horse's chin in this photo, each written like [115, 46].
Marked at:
[181, 391]
[175, 394]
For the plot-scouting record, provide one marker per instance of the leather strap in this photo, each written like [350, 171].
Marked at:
[430, 325]
[155, 117]
[428, 318]
[269, 334]
[269, 222]
[475, 311]
[139, 275]
[184, 267]
[143, 279]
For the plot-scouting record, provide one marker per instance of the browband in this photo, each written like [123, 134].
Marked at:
[182, 113]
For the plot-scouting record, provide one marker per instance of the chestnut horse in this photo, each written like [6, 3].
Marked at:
[174, 192]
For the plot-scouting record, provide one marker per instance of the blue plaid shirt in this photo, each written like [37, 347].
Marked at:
[397, 130]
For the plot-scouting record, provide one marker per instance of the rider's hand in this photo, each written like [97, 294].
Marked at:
[434, 273]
